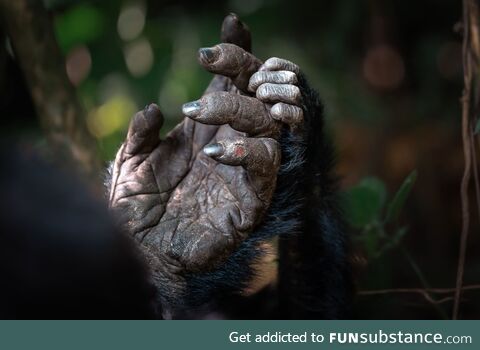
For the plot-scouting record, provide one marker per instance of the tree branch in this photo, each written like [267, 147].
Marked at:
[426, 292]
[61, 115]
[471, 55]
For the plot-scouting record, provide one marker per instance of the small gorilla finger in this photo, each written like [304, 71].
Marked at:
[273, 93]
[231, 61]
[279, 77]
[143, 132]
[259, 156]
[276, 63]
[243, 113]
[288, 114]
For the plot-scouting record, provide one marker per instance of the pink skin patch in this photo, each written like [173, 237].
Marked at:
[239, 151]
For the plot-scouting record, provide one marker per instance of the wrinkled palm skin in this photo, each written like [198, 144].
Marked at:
[187, 210]
[184, 203]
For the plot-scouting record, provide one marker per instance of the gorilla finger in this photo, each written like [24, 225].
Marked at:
[288, 114]
[276, 63]
[279, 77]
[273, 93]
[236, 32]
[259, 156]
[231, 61]
[143, 131]
[243, 113]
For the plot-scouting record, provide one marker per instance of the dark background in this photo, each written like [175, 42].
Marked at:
[389, 73]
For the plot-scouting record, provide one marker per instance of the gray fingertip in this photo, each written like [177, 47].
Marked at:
[276, 110]
[208, 55]
[151, 110]
[234, 16]
[191, 109]
[213, 150]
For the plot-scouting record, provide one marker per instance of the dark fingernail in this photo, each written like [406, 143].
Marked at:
[191, 109]
[208, 54]
[213, 150]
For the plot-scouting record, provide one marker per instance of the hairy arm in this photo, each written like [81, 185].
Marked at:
[315, 277]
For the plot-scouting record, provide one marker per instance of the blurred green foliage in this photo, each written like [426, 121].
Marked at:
[71, 29]
[328, 39]
[367, 212]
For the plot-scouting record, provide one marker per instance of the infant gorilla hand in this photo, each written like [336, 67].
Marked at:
[192, 198]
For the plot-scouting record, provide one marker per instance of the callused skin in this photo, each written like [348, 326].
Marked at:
[193, 197]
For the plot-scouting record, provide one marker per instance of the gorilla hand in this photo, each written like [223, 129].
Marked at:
[276, 83]
[194, 197]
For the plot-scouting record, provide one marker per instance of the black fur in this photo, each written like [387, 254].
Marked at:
[314, 275]
[61, 256]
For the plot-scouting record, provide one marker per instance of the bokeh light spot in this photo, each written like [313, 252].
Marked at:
[112, 116]
[171, 97]
[131, 21]
[383, 67]
[139, 57]
[78, 64]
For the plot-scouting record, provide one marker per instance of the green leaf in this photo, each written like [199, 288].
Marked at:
[365, 201]
[377, 186]
[392, 242]
[477, 127]
[81, 24]
[371, 240]
[396, 205]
